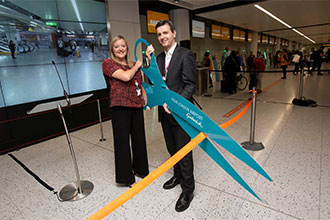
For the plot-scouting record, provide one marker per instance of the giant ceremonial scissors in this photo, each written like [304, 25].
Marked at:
[194, 121]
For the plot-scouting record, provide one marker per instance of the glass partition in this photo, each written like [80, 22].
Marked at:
[71, 34]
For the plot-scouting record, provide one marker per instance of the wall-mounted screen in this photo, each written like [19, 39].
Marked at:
[264, 39]
[153, 18]
[198, 29]
[225, 33]
[235, 34]
[250, 37]
[242, 35]
[216, 32]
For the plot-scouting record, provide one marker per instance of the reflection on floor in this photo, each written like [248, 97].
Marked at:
[296, 156]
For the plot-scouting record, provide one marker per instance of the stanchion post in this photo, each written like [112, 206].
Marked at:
[81, 188]
[251, 145]
[100, 120]
[301, 85]
[301, 101]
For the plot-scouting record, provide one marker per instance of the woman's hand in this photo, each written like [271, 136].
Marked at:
[137, 65]
[145, 99]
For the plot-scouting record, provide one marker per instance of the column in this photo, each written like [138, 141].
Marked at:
[278, 45]
[254, 44]
[180, 19]
[123, 19]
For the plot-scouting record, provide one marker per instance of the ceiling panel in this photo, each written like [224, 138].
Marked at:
[295, 13]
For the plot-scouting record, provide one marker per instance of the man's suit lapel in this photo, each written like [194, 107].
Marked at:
[161, 63]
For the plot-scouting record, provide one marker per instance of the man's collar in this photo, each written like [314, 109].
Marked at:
[170, 51]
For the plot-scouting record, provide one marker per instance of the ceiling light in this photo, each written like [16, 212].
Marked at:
[282, 22]
[271, 15]
[75, 7]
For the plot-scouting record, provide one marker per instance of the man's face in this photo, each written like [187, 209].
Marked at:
[166, 36]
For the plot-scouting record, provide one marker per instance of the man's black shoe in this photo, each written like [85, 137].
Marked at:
[171, 183]
[184, 202]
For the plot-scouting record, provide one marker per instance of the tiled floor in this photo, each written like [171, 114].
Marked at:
[296, 156]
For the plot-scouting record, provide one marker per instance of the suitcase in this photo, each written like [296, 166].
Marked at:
[78, 53]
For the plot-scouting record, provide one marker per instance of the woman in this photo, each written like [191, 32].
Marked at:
[231, 68]
[127, 98]
[208, 63]
[284, 62]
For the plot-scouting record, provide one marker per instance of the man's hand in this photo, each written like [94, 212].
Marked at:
[166, 109]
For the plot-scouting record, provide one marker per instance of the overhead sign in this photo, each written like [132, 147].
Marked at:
[153, 18]
[51, 23]
[216, 32]
[225, 33]
[236, 35]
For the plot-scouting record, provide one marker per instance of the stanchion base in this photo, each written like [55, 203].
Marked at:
[70, 191]
[102, 139]
[254, 147]
[304, 102]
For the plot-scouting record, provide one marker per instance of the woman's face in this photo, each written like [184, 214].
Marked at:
[120, 49]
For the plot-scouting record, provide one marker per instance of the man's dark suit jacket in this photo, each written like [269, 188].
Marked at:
[181, 74]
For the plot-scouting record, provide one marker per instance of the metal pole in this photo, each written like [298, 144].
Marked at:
[253, 116]
[71, 149]
[100, 120]
[251, 145]
[301, 86]
[81, 189]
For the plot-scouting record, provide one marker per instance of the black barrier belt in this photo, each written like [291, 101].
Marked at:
[34, 175]
[31, 173]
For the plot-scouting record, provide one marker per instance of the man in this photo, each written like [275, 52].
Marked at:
[12, 48]
[60, 47]
[317, 57]
[177, 66]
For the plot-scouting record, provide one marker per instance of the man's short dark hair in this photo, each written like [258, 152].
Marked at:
[163, 22]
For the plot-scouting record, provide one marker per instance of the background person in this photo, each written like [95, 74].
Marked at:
[317, 57]
[231, 68]
[127, 97]
[208, 63]
[284, 61]
[259, 67]
[177, 66]
[12, 48]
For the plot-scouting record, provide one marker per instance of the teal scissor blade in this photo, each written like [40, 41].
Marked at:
[211, 150]
[200, 121]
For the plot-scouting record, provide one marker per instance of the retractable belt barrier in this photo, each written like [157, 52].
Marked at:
[198, 126]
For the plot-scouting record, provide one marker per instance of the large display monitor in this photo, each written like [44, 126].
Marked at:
[198, 29]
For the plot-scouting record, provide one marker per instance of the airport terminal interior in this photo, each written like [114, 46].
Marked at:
[296, 138]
